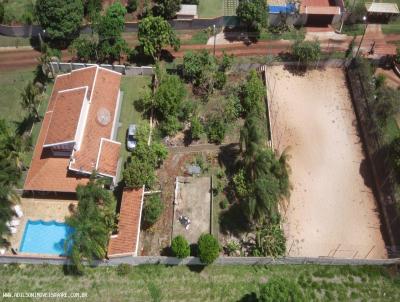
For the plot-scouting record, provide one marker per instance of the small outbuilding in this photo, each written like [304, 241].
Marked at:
[188, 11]
[381, 12]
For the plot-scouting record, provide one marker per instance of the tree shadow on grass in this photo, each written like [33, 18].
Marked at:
[251, 297]
[233, 220]
[196, 268]
[25, 125]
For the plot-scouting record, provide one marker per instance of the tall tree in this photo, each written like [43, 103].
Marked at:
[30, 100]
[167, 8]
[109, 28]
[10, 174]
[253, 13]
[306, 51]
[252, 94]
[61, 19]
[252, 138]
[92, 223]
[154, 34]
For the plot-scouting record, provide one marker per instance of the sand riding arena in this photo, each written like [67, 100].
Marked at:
[332, 211]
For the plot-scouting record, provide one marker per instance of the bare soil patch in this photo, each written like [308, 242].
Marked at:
[332, 210]
[193, 200]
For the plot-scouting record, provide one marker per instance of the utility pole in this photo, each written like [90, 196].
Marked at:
[362, 38]
[215, 38]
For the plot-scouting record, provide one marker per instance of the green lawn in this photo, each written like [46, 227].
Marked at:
[391, 28]
[12, 84]
[133, 88]
[213, 283]
[14, 41]
[211, 8]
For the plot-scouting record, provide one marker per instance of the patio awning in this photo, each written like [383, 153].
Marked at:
[382, 8]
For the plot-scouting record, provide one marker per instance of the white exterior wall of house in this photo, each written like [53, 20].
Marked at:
[82, 121]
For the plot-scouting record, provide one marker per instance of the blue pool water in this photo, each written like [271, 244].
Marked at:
[45, 237]
[276, 9]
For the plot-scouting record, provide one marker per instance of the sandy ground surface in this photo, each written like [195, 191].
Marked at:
[331, 211]
[193, 200]
[40, 209]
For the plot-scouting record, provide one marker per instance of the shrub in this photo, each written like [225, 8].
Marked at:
[153, 207]
[180, 247]
[216, 129]
[131, 6]
[123, 269]
[396, 58]
[220, 80]
[208, 248]
[280, 290]
[306, 51]
[196, 128]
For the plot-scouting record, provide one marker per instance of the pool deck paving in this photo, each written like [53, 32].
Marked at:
[40, 209]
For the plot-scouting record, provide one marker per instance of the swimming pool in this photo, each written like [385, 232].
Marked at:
[45, 237]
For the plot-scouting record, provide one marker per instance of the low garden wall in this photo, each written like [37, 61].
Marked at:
[126, 70]
[196, 261]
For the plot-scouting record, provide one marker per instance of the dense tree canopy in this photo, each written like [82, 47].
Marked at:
[92, 223]
[252, 94]
[140, 169]
[306, 51]
[167, 8]
[10, 173]
[155, 33]
[61, 19]
[253, 13]
[109, 28]
[205, 71]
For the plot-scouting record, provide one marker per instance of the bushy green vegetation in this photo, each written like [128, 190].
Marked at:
[213, 283]
[180, 247]
[208, 248]
[12, 147]
[152, 210]
[140, 167]
[155, 33]
[108, 44]
[167, 8]
[253, 13]
[306, 51]
[61, 19]
[92, 222]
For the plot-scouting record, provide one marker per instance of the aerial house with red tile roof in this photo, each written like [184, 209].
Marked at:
[78, 132]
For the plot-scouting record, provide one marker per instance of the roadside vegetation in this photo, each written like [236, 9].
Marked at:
[212, 283]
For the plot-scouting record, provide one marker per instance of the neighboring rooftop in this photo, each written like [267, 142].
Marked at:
[187, 10]
[127, 239]
[382, 8]
[81, 113]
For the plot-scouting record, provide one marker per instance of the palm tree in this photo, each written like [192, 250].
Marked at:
[92, 222]
[6, 214]
[252, 139]
[30, 100]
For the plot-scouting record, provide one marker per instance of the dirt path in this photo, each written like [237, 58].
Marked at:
[198, 148]
[12, 59]
[154, 240]
[332, 210]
